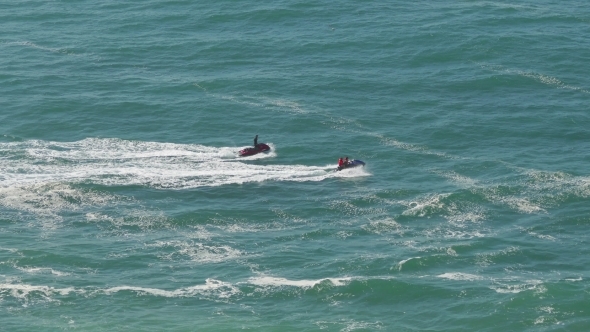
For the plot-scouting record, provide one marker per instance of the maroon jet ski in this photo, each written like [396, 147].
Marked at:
[260, 147]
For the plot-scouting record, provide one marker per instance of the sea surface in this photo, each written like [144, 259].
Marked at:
[124, 205]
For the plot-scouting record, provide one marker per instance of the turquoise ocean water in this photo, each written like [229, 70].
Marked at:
[124, 206]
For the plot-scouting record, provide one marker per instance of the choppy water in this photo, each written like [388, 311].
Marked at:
[124, 206]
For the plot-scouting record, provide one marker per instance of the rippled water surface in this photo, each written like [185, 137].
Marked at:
[124, 204]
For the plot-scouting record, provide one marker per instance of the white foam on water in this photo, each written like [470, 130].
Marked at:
[139, 217]
[551, 81]
[211, 287]
[475, 216]
[233, 225]
[288, 218]
[384, 226]
[556, 183]
[517, 287]
[573, 279]
[200, 232]
[533, 194]
[267, 281]
[451, 252]
[523, 205]
[96, 217]
[291, 106]
[486, 259]
[351, 172]
[539, 190]
[349, 325]
[420, 207]
[115, 162]
[42, 270]
[547, 309]
[450, 233]
[461, 180]
[402, 262]
[23, 291]
[460, 276]
[196, 252]
[47, 199]
[539, 320]
[351, 210]
[352, 325]
[542, 236]
[12, 251]
[544, 79]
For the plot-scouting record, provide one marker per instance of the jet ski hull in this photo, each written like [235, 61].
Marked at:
[351, 164]
[261, 147]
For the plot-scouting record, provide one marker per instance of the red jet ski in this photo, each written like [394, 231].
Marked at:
[260, 147]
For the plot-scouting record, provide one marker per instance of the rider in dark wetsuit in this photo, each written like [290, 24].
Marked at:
[256, 141]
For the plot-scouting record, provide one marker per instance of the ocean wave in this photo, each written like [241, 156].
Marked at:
[266, 281]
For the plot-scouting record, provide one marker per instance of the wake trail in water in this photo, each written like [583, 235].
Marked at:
[538, 77]
[115, 162]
